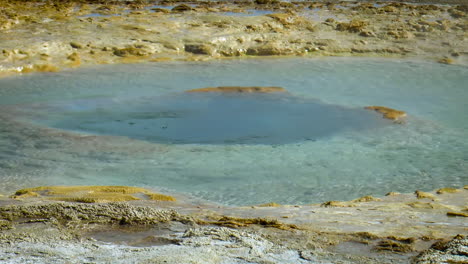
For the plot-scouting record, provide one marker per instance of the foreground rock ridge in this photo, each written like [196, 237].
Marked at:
[50, 36]
[424, 227]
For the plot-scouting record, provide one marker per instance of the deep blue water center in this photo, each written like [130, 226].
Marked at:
[135, 125]
[212, 118]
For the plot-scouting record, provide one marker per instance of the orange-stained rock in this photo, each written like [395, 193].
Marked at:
[239, 89]
[388, 112]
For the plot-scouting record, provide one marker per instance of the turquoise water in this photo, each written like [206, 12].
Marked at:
[207, 118]
[87, 126]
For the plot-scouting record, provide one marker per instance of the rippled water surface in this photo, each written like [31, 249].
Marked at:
[135, 125]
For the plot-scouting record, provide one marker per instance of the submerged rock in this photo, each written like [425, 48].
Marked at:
[181, 8]
[239, 89]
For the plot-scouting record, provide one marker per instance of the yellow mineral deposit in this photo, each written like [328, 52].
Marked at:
[352, 203]
[40, 68]
[91, 194]
[447, 190]
[272, 204]
[424, 195]
[367, 198]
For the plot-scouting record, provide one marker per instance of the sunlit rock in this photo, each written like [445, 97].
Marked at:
[366, 199]
[424, 195]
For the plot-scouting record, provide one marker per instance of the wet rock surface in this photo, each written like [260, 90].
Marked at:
[453, 251]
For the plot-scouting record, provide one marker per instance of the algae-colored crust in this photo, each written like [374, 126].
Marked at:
[269, 205]
[366, 235]
[239, 89]
[90, 194]
[235, 222]
[40, 68]
[431, 205]
[160, 197]
[367, 198]
[393, 246]
[446, 61]
[97, 198]
[388, 113]
[5, 225]
[352, 203]
[337, 204]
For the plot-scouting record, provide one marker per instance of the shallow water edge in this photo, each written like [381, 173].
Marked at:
[53, 134]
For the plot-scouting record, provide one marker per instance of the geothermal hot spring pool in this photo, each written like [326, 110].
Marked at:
[136, 125]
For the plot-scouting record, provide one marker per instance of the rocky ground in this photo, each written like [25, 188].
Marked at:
[399, 228]
[53, 35]
[425, 227]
